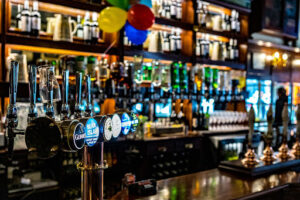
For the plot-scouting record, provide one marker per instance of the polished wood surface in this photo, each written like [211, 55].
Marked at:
[213, 185]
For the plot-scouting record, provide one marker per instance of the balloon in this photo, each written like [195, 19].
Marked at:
[146, 3]
[124, 4]
[136, 36]
[140, 17]
[112, 19]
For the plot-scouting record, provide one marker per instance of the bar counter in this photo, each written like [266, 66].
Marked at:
[219, 185]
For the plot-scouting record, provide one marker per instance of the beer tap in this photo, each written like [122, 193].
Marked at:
[43, 135]
[65, 111]
[32, 114]
[89, 107]
[77, 111]
[49, 85]
[11, 118]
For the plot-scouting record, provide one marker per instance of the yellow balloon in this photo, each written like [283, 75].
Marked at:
[112, 19]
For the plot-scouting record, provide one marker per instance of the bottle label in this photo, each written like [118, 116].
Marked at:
[78, 136]
[36, 23]
[26, 23]
[166, 46]
[95, 32]
[198, 50]
[173, 10]
[178, 44]
[80, 33]
[231, 54]
[86, 33]
[173, 45]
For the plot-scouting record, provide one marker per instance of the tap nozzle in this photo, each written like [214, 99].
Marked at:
[65, 111]
[77, 111]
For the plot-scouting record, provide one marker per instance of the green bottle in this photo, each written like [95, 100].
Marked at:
[175, 78]
[207, 78]
[91, 67]
[215, 78]
[183, 77]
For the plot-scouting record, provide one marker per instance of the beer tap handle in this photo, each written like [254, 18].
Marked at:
[77, 111]
[251, 120]
[32, 93]
[65, 92]
[12, 120]
[49, 82]
[88, 111]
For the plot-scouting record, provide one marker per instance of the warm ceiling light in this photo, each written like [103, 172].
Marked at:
[276, 55]
[297, 50]
[284, 56]
[260, 43]
[268, 44]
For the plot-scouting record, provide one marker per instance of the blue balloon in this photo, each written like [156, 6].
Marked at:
[146, 3]
[136, 36]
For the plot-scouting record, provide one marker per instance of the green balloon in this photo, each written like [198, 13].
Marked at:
[124, 4]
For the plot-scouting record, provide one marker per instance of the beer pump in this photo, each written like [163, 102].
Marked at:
[12, 119]
[43, 135]
[32, 114]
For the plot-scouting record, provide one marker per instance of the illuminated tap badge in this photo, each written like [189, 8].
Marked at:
[125, 123]
[91, 132]
[134, 122]
[78, 136]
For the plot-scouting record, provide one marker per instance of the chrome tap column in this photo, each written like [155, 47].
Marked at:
[32, 114]
[65, 111]
[11, 118]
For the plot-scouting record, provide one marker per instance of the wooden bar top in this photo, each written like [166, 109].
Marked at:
[214, 185]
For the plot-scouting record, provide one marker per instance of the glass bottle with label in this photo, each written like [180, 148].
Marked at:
[79, 32]
[215, 80]
[166, 78]
[103, 72]
[94, 29]
[156, 73]
[175, 77]
[178, 41]
[166, 46]
[231, 50]
[18, 18]
[183, 77]
[173, 9]
[26, 19]
[91, 67]
[179, 9]
[35, 19]
[87, 28]
[233, 20]
[172, 41]
[236, 50]
[201, 15]
[207, 79]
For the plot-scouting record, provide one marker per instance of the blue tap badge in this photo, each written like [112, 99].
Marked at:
[134, 122]
[125, 123]
[91, 132]
[79, 136]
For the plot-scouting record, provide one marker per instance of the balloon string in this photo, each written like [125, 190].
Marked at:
[109, 47]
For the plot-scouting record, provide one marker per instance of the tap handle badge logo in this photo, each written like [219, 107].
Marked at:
[91, 132]
[125, 123]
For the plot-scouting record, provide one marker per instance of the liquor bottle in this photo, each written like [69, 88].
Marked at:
[196, 117]
[201, 15]
[199, 77]
[18, 18]
[175, 77]
[178, 41]
[87, 28]
[179, 10]
[35, 19]
[168, 9]
[207, 79]
[203, 47]
[166, 46]
[215, 80]
[91, 67]
[228, 23]
[233, 20]
[173, 113]
[183, 77]
[198, 47]
[224, 24]
[238, 23]
[231, 50]
[236, 50]
[207, 46]
[79, 32]
[224, 51]
[173, 9]
[206, 119]
[94, 29]
[156, 73]
[162, 11]
[103, 72]
[172, 41]
[25, 18]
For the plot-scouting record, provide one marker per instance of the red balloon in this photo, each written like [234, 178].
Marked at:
[140, 17]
